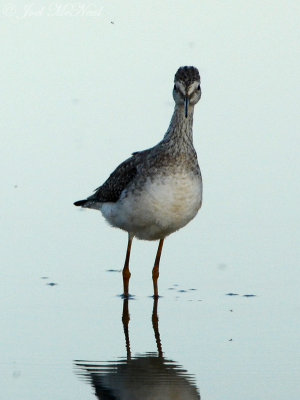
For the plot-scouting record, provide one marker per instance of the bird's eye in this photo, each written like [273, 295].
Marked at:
[175, 88]
[198, 87]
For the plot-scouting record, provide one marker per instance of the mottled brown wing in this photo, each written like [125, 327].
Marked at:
[112, 188]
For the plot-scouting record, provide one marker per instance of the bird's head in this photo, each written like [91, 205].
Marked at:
[187, 90]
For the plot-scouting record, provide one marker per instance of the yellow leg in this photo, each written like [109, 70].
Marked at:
[126, 272]
[155, 271]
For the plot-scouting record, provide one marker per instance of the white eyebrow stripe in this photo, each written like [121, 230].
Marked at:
[180, 86]
[193, 86]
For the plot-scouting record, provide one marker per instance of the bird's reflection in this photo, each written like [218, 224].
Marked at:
[149, 376]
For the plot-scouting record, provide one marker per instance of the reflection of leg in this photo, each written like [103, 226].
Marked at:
[125, 321]
[126, 272]
[155, 327]
[155, 271]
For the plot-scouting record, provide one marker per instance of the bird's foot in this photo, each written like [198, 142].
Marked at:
[128, 296]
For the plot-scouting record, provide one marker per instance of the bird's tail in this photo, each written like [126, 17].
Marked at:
[80, 203]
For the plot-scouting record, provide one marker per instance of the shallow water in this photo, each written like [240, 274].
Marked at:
[79, 94]
[147, 375]
[75, 340]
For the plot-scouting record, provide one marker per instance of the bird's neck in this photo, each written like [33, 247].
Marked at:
[180, 130]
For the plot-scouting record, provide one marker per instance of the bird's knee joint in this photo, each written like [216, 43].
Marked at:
[155, 273]
[126, 274]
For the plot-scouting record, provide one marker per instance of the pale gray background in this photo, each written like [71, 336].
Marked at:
[79, 93]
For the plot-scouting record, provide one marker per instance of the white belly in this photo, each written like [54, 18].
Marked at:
[160, 208]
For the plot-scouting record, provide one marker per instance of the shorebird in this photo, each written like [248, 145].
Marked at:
[156, 191]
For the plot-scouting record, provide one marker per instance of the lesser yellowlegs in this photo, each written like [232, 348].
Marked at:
[157, 191]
